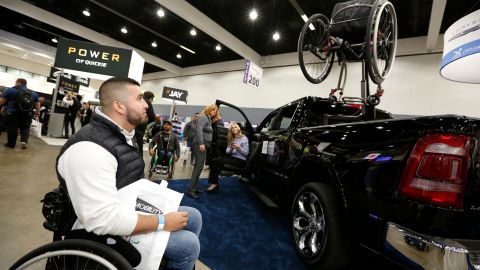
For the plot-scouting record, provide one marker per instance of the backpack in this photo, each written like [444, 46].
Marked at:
[25, 100]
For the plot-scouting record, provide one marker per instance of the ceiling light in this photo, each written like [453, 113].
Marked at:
[218, 47]
[179, 55]
[154, 44]
[54, 40]
[124, 30]
[193, 32]
[187, 49]
[86, 12]
[276, 36]
[160, 13]
[305, 19]
[253, 14]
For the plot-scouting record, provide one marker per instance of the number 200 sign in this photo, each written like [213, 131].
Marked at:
[252, 74]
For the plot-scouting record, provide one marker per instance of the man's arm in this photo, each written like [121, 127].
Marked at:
[176, 144]
[2, 101]
[150, 112]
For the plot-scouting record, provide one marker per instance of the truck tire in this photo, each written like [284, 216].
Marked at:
[318, 233]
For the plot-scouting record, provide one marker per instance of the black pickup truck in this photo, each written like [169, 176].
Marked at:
[407, 189]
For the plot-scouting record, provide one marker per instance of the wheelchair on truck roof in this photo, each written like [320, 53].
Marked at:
[358, 31]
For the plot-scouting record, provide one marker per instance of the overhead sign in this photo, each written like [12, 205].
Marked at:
[54, 72]
[252, 74]
[98, 59]
[175, 94]
[461, 50]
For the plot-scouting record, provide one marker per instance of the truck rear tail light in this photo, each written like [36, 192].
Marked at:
[436, 171]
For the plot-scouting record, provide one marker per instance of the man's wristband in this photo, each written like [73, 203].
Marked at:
[161, 222]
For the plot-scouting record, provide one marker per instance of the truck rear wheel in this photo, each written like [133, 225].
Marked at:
[317, 230]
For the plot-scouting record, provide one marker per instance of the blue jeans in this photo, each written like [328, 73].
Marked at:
[163, 157]
[183, 246]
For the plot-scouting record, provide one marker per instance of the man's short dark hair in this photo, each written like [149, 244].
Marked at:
[21, 81]
[108, 88]
[148, 95]
[166, 122]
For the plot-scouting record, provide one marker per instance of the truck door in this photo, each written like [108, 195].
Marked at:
[275, 132]
[230, 113]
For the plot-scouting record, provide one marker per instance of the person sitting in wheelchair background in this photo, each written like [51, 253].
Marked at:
[167, 145]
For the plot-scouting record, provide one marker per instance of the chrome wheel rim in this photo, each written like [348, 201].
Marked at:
[309, 228]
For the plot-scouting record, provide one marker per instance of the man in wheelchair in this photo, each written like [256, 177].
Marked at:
[110, 161]
[164, 149]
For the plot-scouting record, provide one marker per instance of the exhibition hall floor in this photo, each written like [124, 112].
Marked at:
[25, 176]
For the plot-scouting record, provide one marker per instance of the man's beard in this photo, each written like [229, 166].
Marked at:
[135, 118]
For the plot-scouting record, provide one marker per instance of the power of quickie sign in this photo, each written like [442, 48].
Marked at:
[92, 58]
[175, 94]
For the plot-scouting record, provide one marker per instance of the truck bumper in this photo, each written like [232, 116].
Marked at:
[420, 251]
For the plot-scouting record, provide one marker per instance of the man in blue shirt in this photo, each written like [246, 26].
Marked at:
[17, 117]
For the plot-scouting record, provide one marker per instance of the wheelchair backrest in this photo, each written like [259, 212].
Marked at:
[349, 20]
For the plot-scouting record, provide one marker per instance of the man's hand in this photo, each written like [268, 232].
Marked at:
[175, 157]
[151, 152]
[201, 147]
[175, 221]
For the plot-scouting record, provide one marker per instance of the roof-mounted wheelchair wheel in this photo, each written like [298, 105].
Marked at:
[314, 56]
[381, 40]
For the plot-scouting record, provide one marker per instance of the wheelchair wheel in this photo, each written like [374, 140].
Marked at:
[381, 40]
[314, 56]
[72, 254]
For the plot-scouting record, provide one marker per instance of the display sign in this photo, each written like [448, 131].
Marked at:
[65, 87]
[252, 74]
[175, 94]
[54, 72]
[461, 50]
[98, 59]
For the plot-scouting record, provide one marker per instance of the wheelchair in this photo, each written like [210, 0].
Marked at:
[359, 30]
[77, 249]
[154, 166]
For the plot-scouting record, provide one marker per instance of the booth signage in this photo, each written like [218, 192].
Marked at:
[252, 74]
[65, 85]
[92, 58]
[461, 50]
[175, 94]
[54, 72]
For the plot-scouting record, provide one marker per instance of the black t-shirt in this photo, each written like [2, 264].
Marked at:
[165, 139]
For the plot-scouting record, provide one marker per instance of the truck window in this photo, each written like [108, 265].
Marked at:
[285, 117]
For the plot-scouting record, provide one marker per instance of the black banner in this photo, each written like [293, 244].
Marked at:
[93, 58]
[175, 94]
[65, 87]
[55, 71]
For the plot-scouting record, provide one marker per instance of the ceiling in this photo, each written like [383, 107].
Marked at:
[217, 22]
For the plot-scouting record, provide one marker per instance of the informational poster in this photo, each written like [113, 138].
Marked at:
[55, 71]
[65, 87]
[252, 74]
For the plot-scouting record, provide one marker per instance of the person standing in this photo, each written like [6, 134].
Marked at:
[110, 161]
[85, 114]
[202, 141]
[237, 152]
[20, 102]
[74, 105]
[189, 133]
[140, 129]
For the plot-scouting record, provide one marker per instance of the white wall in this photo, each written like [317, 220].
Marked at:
[413, 87]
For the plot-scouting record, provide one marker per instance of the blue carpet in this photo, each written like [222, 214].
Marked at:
[239, 231]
